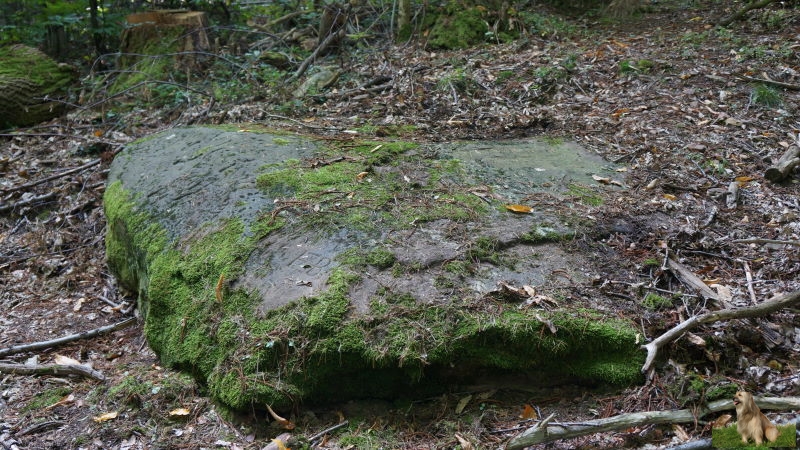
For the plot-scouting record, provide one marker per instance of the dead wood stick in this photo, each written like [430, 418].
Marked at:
[765, 241]
[762, 309]
[555, 431]
[52, 369]
[690, 280]
[328, 430]
[28, 201]
[784, 165]
[740, 13]
[781, 84]
[53, 177]
[66, 339]
[333, 37]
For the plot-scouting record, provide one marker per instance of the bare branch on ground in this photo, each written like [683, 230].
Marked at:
[554, 431]
[66, 339]
[774, 304]
[51, 369]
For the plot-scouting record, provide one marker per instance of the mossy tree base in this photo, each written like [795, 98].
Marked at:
[359, 310]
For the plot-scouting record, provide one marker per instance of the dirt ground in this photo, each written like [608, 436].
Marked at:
[667, 95]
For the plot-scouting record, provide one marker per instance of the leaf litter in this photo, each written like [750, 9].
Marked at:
[684, 124]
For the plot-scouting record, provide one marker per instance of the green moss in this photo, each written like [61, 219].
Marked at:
[378, 257]
[458, 27]
[542, 233]
[27, 76]
[729, 437]
[655, 301]
[585, 194]
[348, 192]
[46, 398]
[306, 348]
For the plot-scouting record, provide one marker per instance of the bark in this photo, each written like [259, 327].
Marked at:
[783, 166]
[52, 369]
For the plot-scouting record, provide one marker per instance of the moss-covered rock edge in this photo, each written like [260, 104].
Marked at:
[314, 348]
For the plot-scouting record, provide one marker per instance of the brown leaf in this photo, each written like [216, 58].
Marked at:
[696, 340]
[680, 432]
[721, 421]
[179, 412]
[465, 444]
[105, 417]
[519, 209]
[361, 176]
[285, 423]
[528, 412]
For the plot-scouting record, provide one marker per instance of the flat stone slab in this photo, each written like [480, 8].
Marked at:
[277, 269]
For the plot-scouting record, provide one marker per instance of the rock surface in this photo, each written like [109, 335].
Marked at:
[277, 268]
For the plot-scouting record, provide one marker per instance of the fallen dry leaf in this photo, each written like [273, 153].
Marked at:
[463, 404]
[528, 412]
[285, 423]
[520, 209]
[179, 412]
[64, 401]
[105, 417]
[361, 175]
[680, 432]
[65, 360]
[721, 421]
[465, 444]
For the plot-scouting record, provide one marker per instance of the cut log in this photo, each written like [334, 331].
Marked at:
[783, 166]
[157, 32]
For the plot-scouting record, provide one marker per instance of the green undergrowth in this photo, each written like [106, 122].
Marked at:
[728, 437]
[316, 348]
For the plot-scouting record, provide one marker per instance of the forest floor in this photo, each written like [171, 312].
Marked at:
[667, 95]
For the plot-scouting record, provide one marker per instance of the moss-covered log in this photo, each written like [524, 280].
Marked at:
[32, 86]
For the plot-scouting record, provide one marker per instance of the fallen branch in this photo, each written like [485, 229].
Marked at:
[690, 280]
[542, 433]
[51, 369]
[66, 339]
[784, 165]
[740, 13]
[53, 177]
[333, 37]
[27, 201]
[774, 304]
[780, 84]
[765, 241]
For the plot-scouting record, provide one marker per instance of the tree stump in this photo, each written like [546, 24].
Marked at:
[175, 31]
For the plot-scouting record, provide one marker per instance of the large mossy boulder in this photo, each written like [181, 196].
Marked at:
[32, 86]
[277, 269]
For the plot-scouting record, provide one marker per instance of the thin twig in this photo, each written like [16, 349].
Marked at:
[766, 241]
[66, 339]
[328, 41]
[774, 304]
[53, 177]
[27, 201]
[749, 276]
[328, 430]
